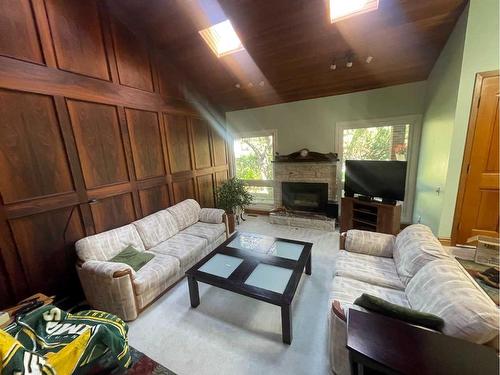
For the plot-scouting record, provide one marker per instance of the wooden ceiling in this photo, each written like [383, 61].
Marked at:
[290, 44]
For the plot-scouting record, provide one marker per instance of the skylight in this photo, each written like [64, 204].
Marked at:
[342, 9]
[222, 38]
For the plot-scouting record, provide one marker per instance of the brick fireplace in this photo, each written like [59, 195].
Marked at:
[304, 182]
[309, 172]
[305, 196]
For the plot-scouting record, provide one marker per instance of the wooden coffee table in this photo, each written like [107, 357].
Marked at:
[262, 267]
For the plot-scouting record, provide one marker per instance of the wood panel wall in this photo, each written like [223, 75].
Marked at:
[94, 133]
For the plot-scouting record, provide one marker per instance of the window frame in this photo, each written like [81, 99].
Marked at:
[415, 132]
[251, 134]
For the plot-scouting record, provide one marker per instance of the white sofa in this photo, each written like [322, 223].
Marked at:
[413, 270]
[178, 237]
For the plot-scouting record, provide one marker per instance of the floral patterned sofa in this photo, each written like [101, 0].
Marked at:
[413, 270]
[178, 236]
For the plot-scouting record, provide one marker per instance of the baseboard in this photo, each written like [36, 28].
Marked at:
[253, 211]
[445, 241]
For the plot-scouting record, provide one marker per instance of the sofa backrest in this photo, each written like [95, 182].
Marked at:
[415, 246]
[156, 228]
[444, 289]
[106, 245]
[185, 213]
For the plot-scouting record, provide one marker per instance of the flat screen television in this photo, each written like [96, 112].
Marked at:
[375, 179]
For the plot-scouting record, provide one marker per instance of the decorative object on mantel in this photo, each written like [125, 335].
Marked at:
[306, 156]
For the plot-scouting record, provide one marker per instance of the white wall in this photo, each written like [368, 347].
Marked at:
[437, 129]
[311, 123]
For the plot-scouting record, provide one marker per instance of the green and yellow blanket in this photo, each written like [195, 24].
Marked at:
[51, 341]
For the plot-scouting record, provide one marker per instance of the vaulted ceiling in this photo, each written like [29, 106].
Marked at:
[290, 45]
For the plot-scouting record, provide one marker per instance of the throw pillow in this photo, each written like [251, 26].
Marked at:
[133, 258]
[381, 306]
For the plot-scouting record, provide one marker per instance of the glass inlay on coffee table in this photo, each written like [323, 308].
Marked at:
[257, 266]
[221, 265]
[270, 277]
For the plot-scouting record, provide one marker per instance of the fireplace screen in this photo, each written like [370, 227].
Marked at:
[305, 196]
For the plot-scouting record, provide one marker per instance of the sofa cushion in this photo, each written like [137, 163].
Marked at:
[371, 243]
[415, 246]
[212, 215]
[374, 270]
[156, 273]
[188, 249]
[346, 290]
[106, 245]
[185, 213]
[156, 228]
[210, 232]
[443, 288]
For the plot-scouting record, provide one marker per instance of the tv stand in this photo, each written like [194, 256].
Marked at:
[370, 215]
[389, 201]
[365, 198]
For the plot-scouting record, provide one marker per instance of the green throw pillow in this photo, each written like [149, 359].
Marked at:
[381, 306]
[132, 257]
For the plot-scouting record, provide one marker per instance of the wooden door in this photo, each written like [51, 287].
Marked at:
[477, 204]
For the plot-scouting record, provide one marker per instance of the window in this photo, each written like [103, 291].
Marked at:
[342, 9]
[376, 143]
[253, 154]
[222, 38]
[385, 139]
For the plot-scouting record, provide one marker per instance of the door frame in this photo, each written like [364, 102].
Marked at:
[471, 129]
[415, 121]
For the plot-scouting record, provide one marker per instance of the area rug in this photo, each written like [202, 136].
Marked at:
[144, 365]
[141, 365]
[231, 334]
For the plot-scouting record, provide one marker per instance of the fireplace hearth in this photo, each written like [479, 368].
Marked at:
[305, 196]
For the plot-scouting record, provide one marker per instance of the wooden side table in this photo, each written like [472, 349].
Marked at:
[36, 297]
[378, 344]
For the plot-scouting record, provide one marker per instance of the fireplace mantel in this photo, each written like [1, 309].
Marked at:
[306, 156]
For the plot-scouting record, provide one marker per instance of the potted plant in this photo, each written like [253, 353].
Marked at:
[232, 196]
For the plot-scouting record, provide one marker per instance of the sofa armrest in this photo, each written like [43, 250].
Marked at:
[370, 243]
[108, 287]
[343, 235]
[338, 311]
[212, 215]
[107, 269]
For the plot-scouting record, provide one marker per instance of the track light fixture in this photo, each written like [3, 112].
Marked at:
[348, 60]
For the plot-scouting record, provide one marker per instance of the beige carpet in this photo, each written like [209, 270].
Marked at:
[233, 334]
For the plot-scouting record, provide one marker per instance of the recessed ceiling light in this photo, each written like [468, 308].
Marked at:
[341, 9]
[222, 39]
[369, 59]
